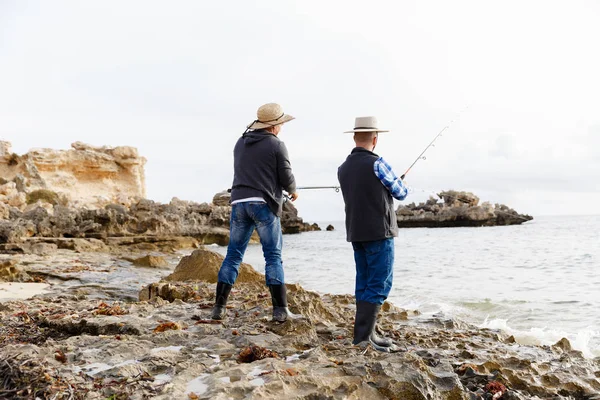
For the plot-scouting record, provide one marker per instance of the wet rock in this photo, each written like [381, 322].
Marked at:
[204, 265]
[292, 223]
[330, 228]
[563, 344]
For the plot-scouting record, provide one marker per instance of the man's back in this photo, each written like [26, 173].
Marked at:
[369, 205]
[261, 169]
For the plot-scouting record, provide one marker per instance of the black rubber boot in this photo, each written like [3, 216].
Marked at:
[364, 326]
[281, 313]
[219, 310]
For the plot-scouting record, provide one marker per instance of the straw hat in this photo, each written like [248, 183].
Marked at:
[268, 115]
[365, 124]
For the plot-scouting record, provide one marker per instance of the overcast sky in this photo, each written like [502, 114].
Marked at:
[180, 80]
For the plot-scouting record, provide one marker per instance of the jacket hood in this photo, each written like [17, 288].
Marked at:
[256, 136]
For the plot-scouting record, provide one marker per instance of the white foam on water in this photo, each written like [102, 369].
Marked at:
[215, 357]
[197, 386]
[225, 379]
[170, 348]
[547, 337]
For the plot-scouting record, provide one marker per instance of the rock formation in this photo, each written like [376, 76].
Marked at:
[69, 344]
[82, 176]
[458, 209]
[290, 221]
[147, 224]
[98, 193]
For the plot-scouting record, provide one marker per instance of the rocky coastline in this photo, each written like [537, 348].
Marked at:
[106, 328]
[457, 209]
[44, 227]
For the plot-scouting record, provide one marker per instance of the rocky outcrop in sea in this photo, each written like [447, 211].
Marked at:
[87, 338]
[457, 209]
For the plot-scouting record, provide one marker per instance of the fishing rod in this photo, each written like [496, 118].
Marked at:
[432, 144]
[336, 188]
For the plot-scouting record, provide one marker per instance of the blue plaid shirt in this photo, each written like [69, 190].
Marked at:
[388, 178]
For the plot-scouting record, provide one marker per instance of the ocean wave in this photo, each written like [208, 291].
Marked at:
[586, 340]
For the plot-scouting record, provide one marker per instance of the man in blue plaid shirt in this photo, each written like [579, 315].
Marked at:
[369, 186]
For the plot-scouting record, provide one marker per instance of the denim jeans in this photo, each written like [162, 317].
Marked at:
[245, 217]
[374, 270]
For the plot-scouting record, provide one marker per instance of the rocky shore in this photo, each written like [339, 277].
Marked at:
[51, 199]
[457, 209]
[44, 227]
[106, 328]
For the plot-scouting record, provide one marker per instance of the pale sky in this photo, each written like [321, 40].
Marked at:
[180, 81]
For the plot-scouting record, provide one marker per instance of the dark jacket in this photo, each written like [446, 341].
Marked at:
[262, 169]
[369, 205]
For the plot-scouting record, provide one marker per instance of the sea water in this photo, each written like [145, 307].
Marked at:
[539, 281]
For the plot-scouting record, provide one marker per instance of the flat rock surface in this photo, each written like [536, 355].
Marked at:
[88, 338]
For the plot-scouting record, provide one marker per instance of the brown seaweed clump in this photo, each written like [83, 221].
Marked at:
[255, 353]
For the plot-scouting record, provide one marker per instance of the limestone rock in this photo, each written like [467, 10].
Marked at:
[5, 149]
[204, 265]
[151, 261]
[222, 198]
[457, 209]
[41, 249]
[10, 272]
[85, 175]
[166, 291]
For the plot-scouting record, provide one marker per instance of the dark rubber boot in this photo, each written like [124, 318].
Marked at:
[219, 310]
[281, 313]
[364, 326]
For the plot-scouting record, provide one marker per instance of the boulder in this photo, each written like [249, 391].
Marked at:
[222, 198]
[151, 261]
[204, 265]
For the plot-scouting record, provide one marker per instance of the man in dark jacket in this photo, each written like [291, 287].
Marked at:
[368, 186]
[262, 171]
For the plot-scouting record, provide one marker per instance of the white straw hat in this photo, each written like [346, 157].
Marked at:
[270, 114]
[365, 124]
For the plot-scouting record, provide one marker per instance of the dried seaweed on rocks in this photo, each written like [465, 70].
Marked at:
[22, 328]
[255, 353]
[167, 326]
[30, 379]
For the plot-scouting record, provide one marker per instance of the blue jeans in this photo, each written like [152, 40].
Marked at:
[374, 270]
[245, 217]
